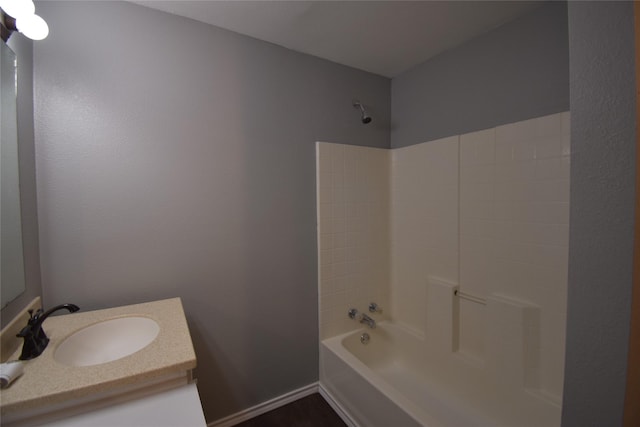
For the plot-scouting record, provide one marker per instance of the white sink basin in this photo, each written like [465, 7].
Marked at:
[107, 341]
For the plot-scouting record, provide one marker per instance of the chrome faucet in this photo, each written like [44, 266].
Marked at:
[368, 321]
[35, 340]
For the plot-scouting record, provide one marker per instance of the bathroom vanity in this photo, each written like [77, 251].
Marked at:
[118, 366]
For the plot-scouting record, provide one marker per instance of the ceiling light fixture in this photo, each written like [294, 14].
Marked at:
[20, 15]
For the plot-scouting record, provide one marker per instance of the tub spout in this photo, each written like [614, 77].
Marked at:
[367, 321]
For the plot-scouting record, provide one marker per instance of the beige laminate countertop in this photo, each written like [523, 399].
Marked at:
[46, 381]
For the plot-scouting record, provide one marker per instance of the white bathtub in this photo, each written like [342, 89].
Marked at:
[396, 381]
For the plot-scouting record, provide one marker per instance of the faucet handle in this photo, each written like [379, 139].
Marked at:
[33, 316]
[352, 313]
[374, 308]
[25, 331]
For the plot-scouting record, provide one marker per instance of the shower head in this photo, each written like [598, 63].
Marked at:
[365, 117]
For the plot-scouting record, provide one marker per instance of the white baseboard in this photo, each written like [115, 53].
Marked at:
[264, 407]
[337, 407]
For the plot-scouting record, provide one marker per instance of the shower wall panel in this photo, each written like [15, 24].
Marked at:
[514, 232]
[353, 233]
[424, 225]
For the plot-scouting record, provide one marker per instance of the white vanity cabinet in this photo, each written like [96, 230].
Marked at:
[179, 407]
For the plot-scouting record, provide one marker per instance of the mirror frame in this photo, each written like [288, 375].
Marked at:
[12, 272]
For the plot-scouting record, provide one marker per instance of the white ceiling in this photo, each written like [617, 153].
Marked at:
[382, 37]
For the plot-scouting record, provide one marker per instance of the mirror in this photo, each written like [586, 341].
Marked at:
[12, 282]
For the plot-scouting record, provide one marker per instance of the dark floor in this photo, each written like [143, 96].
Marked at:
[310, 411]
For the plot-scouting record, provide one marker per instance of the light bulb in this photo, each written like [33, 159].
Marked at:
[33, 27]
[18, 8]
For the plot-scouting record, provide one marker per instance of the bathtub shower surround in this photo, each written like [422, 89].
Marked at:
[476, 279]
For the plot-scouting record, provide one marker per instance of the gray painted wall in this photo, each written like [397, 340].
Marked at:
[603, 153]
[515, 72]
[177, 159]
[23, 49]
